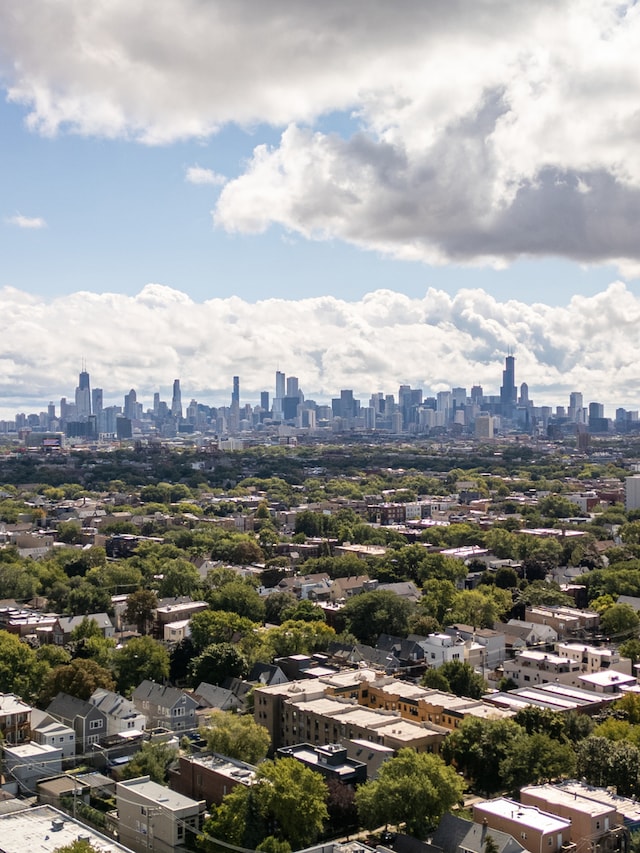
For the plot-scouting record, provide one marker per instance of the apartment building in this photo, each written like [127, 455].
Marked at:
[153, 817]
[537, 830]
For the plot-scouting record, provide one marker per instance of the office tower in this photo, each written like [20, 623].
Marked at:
[83, 396]
[96, 400]
[508, 391]
[596, 410]
[292, 387]
[477, 395]
[156, 403]
[176, 400]
[51, 411]
[575, 413]
[264, 401]
[235, 394]
[484, 426]
[524, 394]
[459, 397]
[444, 404]
[130, 401]
[280, 385]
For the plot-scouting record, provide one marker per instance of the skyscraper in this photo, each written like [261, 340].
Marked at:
[508, 390]
[176, 400]
[235, 394]
[83, 396]
[280, 385]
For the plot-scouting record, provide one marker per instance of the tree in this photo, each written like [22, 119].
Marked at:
[414, 788]
[153, 760]
[239, 597]
[179, 577]
[536, 758]
[295, 638]
[140, 608]
[218, 626]
[142, 658]
[80, 845]
[236, 736]
[620, 621]
[603, 762]
[480, 607]
[285, 791]
[79, 678]
[217, 662]
[478, 747]
[20, 670]
[631, 649]
[461, 679]
[372, 613]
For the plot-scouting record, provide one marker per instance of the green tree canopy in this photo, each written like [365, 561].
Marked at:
[414, 788]
[79, 678]
[236, 736]
[217, 662]
[372, 613]
[153, 760]
[142, 658]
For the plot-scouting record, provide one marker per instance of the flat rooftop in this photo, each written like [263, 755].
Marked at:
[34, 829]
[529, 816]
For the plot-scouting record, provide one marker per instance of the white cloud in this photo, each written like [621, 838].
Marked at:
[199, 175]
[26, 221]
[482, 132]
[376, 344]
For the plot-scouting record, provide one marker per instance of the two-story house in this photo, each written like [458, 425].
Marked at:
[121, 714]
[166, 707]
[88, 722]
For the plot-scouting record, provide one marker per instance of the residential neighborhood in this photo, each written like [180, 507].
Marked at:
[164, 648]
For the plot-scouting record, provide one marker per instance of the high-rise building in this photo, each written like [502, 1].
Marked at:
[176, 400]
[280, 385]
[235, 394]
[508, 390]
[83, 397]
[130, 405]
[575, 411]
[96, 400]
[293, 389]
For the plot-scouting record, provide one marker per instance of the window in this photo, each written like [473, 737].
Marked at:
[95, 724]
[178, 712]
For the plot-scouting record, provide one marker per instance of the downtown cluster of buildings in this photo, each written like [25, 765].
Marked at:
[411, 411]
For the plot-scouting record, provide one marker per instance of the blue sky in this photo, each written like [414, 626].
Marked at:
[477, 151]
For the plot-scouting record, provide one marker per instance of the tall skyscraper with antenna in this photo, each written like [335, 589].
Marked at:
[83, 395]
[508, 391]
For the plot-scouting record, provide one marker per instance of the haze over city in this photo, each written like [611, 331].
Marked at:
[363, 196]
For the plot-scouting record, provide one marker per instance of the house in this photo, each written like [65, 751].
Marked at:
[151, 816]
[456, 835]
[212, 697]
[88, 722]
[121, 714]
[175, 610]
[48, 731]
[521, 633]
[344, 588]
[536, 829]
[65, 625]
[28, 762]
[166, 707]
[15, 719]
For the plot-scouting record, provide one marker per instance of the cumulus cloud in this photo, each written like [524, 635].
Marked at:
[383, 340]
[199, 175]
[478, 132]
[26, 221]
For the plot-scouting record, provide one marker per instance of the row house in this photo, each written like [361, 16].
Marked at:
[88, 722]
[121, 714]
[166, 707]
[15, 719]
[594, 826]
[64, 627]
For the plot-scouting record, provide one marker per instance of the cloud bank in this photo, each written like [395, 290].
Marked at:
[472, 132]
[376, 344]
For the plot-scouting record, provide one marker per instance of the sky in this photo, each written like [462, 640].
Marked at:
[361, 194]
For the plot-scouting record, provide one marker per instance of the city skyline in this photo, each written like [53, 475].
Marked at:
[285, 401]
[368, 192]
